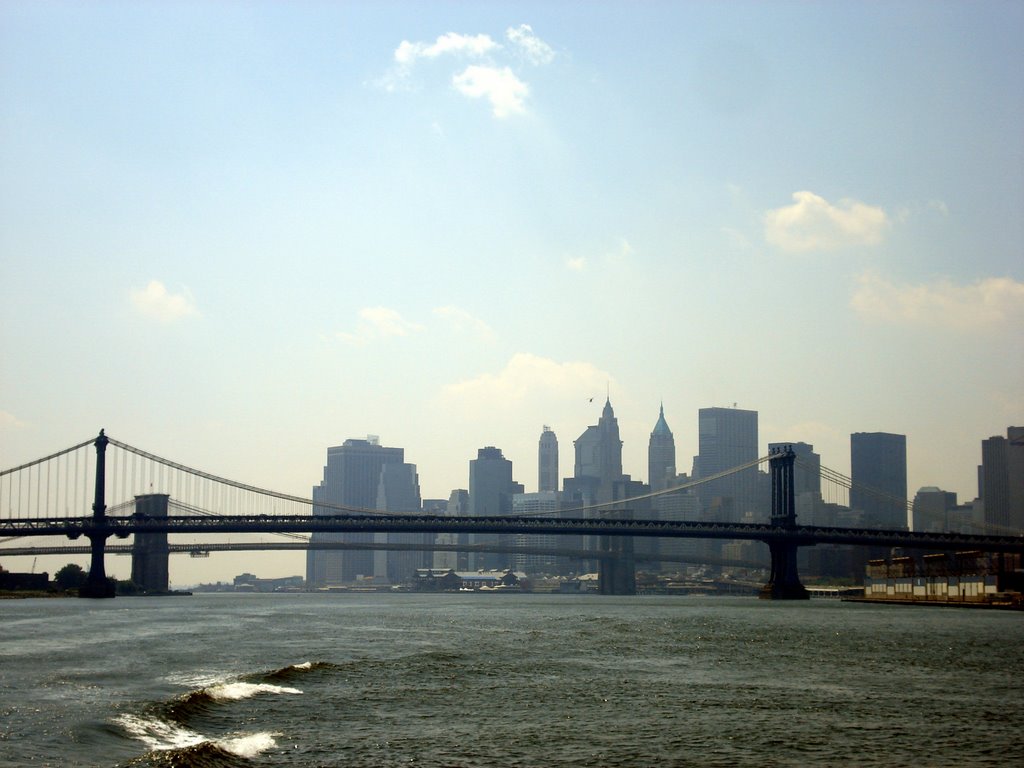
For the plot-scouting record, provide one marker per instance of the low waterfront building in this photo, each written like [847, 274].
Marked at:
[447, 580]
[947, 578]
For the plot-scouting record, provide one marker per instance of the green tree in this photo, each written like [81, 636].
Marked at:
[71, 576]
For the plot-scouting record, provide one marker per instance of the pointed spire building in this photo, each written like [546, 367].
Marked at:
[661, 454]
[599, 456]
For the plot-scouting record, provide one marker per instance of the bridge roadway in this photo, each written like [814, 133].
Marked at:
[797, 535]
[200, 550]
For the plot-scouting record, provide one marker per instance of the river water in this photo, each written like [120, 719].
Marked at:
[505, 680]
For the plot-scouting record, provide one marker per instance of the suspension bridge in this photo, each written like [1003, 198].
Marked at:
[47, 497]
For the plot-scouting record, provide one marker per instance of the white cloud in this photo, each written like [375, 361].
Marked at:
[154, 301]
[378, 323]
[10, 421]
[527, 377]
[814, 224]
[983, 304]
[450, 43]
[501, 87]
[577, 264]
[463, 322]
[535, 50]
[491, 78]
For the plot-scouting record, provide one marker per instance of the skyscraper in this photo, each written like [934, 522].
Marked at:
[598, 459]
[399, 491]
[878, 468]
[533, 504]
[933, 510]
[661, 454]
[490, 495]
[458, 506]
[1002, 482]
[727, 438]
[351, 480]
[547, 461]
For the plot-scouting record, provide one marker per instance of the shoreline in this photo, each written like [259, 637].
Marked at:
[978, 604]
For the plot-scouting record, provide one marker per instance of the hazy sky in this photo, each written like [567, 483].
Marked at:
[234, 234]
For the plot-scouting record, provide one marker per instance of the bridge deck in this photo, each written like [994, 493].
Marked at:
[800, 535]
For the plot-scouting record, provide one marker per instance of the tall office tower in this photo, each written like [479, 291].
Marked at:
[1002, 482]
[547, 454]
[661, 454]
[351, 479]
[399, 491]
[878, 469]
[676, 506]
[727, 438]
[933, 510]
[598, 458]
[543, 504]
[490, 495]
[458, 506]
[438, 508]
[598, 465]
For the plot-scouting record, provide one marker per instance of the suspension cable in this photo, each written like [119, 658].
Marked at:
[47, 458]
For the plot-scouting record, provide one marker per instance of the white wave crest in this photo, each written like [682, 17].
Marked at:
[249, 745]
[158, 734]
[237, 691]
[303, 665]
[161, 736]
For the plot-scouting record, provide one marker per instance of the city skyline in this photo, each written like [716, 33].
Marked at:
[237, 234]
[370, 486]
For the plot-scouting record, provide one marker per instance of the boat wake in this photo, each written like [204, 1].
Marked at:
[173, 744]
[204, 700]
[167, 729]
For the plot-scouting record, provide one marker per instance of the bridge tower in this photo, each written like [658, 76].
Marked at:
[149, 550]
[97, 584]
[784, 583]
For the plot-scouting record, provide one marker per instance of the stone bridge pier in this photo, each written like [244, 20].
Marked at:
[149, 550]
[617, 574]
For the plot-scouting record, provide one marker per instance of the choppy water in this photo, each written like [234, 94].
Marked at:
[505, 680]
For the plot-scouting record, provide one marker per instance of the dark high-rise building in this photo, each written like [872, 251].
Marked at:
[351, 480]
[490, 483]
[878, 469]
[547, 461]
[661, 454]
[727, 438]
[491, 488]
[1002, 482]
[399, 491]
[934, 510]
